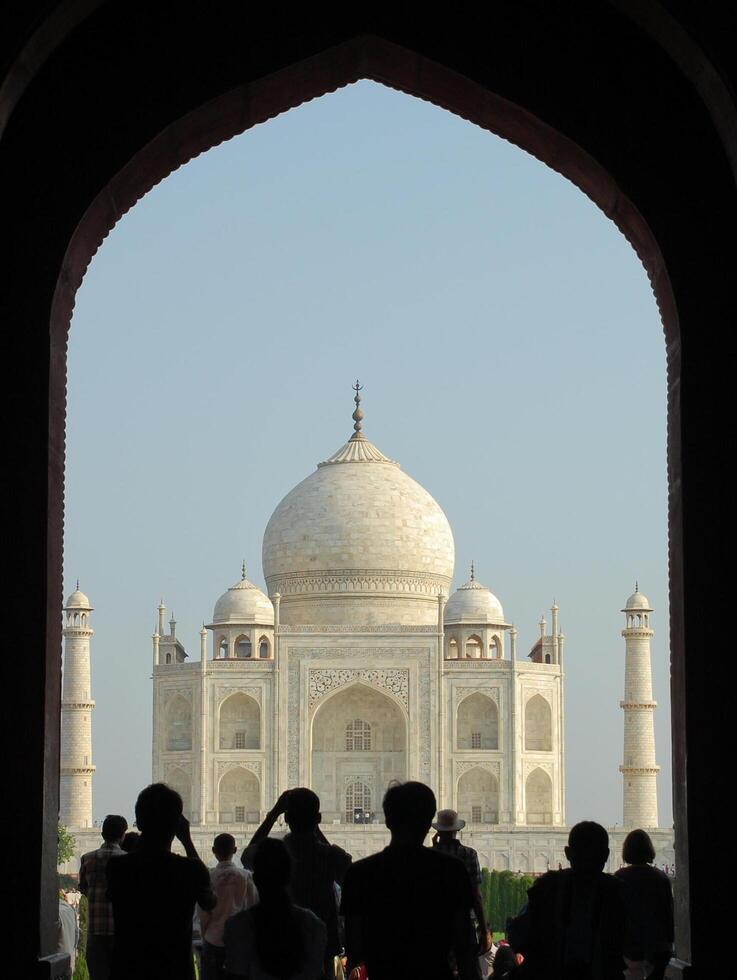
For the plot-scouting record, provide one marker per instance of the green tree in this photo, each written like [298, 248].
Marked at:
[64, 845]
[81, 970]
[495, 919]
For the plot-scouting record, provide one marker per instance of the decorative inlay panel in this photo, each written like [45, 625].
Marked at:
[170, 692]
[353, 581]
[253, 766]
[461, 693]
[545, 766]
[466, 765]
[323, 680]
[224, 691]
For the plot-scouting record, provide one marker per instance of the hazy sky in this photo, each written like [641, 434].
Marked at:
[513, 363]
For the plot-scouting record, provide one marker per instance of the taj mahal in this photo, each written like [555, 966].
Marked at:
[362, 666]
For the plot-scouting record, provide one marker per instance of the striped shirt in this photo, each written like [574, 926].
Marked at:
[93, 884]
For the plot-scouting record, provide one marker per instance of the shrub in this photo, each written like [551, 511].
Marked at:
[503, 894]
[64, 845]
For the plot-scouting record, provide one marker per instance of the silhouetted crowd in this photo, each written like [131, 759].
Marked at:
[299, 908]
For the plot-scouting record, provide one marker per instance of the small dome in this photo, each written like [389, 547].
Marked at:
[244, 603]
[474, 603]
[638, 601]
[78, 600]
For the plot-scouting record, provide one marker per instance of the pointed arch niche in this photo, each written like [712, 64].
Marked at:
[339, 758]
[178, 724]
[538, 798]
[538, 725]
[239, 796]
[178, 780]
[478, 796]
[478, 723]
[239, 722]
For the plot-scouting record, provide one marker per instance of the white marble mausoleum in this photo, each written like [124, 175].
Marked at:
[362, 666]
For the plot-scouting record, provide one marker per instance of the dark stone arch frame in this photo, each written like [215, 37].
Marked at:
[662, 52]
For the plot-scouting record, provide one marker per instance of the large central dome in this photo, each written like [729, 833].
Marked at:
[358, 542]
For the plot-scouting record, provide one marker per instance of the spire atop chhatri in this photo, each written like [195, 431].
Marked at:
[357, 413]
[77, 585]
[243, 570]
[637, 586]
[473, 573]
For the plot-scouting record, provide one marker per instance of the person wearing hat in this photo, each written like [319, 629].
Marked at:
[446, 827]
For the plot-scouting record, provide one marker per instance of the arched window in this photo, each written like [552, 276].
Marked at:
[474, 648]
[538, 725]
[223, 647]
[547, 658]
[239, 797]
[478, 723]
[496, 651]
[539, 797]
[357, 801]
[452, 649]
[178, 780]
[263, 648]
[354, 715]
[240, 723]
[358, 736]
[168, 658]
[243, 648]
[178, 724]
[478, 796]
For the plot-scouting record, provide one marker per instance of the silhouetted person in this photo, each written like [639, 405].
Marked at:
[575, 917]
[67, 931]
[154, 892]
[648, 899]
[93, 884]
[235, 891]
[505, 966]
[130, 842]
[447, 825]
[316, 864]
[275, 939]
[408, 908]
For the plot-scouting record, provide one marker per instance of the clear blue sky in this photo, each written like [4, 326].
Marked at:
[513, 362]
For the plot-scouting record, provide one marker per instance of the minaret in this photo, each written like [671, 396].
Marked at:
[75, 807]
[639, 769]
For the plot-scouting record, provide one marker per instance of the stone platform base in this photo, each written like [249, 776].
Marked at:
[519, 849]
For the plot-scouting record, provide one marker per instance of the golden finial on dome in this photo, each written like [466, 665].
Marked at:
[473, 572]
[357, 414]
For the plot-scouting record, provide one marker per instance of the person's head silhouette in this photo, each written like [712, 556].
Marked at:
[303, 810]
[588, 847]
[114, 828]
[158, 813]
[408, 811]
[223, 847]
[130, 842]
[638, 848]
[272, 868]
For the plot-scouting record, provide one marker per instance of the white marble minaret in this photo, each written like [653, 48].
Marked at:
[75, 806]
[639, 769]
